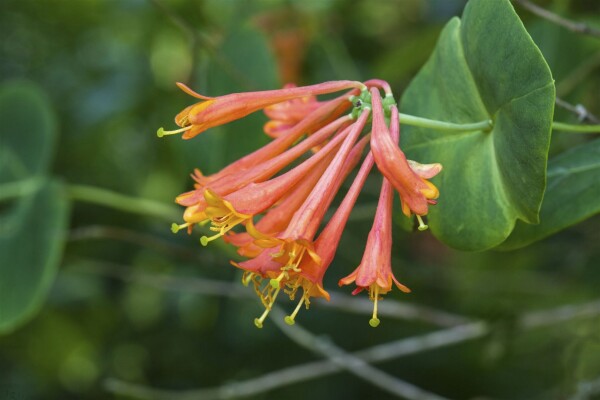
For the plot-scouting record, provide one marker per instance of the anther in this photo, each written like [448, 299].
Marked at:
[290, 319]
[176, 227]
[259, 321]
[246, 279]
[276, 282]
[374, 321]
[204, 240]
[161, 131]
[422, 225]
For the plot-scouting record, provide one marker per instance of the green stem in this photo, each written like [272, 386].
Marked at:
[20, 188]
[446, 126]
[122, 202]
[561, 126]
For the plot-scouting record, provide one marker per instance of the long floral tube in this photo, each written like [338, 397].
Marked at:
[240, 206]
[234, 181]
[278, 218]
[329, 238]
[214, 111]
[375, 270]
[306, 220]
[313, 121]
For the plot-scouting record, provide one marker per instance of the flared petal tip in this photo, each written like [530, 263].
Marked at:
[186, 89]
[426, 171]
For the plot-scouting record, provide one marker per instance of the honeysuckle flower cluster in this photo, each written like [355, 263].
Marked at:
[276, 197]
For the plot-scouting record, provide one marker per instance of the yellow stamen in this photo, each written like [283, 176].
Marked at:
[422, 225]
[247, 278]
[175, 227]
[294, 256]
[204, 240]
[161, 131]
[290, 319]
[374, 322]
[222, 225]
[259, 321]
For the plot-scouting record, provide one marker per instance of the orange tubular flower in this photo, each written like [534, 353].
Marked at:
[411, 183]
[375, 270]
[214, 111]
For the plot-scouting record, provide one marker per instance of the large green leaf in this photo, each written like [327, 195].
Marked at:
[31, 240]
[485, 66]
[572, 195]
[28, 131]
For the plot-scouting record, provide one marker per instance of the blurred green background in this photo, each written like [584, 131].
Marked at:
[135, 303]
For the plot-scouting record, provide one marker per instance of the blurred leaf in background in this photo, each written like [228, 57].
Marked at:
[33, 223]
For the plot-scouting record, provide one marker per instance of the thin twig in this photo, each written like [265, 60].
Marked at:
[539, 319]
[582, 113]
[578, 27]
[394, 309]
[122, 202]
[162, 281]
[578, 75]
[359, 305]
[379, 353]
[95, 232]
[307, 371]
[587, 390]
[350, 363]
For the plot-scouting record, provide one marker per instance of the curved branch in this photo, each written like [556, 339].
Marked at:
[578, 27]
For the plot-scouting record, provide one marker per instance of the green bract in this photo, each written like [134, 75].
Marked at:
[485, 66]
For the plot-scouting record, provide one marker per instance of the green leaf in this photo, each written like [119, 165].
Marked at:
[28, 131]
[572, 195]
[31, 241]
[485, 66]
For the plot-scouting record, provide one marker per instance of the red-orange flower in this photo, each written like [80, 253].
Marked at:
[416, 192]
[215, 111]
[375, 270]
